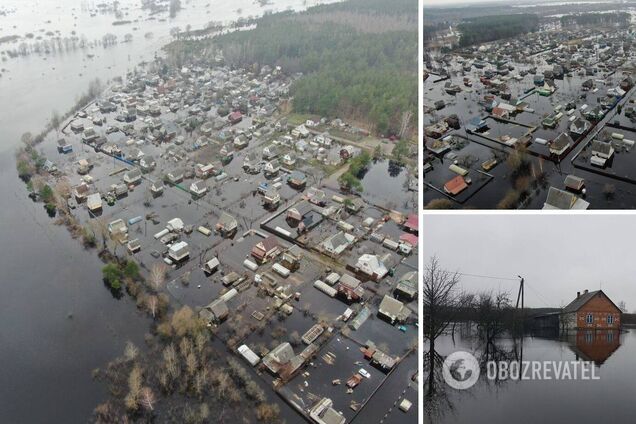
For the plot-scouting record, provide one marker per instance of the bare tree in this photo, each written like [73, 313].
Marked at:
[441, 298]
[622, 306]
[158, 275]
[147, 398]
[152, 303]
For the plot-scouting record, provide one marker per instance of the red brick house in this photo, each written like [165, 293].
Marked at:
[591, 311]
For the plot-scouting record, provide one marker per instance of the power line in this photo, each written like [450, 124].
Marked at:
[486, 276]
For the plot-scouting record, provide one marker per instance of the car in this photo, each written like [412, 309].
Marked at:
[364, 373]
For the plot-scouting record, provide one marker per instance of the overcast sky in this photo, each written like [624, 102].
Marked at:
[557, 254]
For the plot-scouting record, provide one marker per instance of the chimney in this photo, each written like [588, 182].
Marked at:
[578, 294]
[585, 292]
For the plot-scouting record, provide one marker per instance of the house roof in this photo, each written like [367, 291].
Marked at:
[455, 185]
[601, 147]
[578, 303]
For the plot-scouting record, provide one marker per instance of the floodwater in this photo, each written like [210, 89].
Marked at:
[610, 398]
[58, 322]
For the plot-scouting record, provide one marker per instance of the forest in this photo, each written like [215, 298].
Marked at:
[490, 28]
[358, 58]
[621, 18]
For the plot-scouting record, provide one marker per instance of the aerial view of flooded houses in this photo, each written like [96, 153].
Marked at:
[250, 221]
[530, 107]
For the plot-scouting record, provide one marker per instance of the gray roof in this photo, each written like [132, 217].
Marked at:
[560, 199]
[601, 147]
[577, 303]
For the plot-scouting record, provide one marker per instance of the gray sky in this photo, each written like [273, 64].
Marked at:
[557, 254]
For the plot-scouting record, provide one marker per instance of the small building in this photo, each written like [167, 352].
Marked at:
[337, 243]
[560, 199]
[147, 163]
[602, 152]
[560, 144]
[64, 146]
[235, 117]
[271, 198]
[455, 185]
[574, 183]
[297, 180]
[393, 310]
[266, 249]
[132, 176]
[591, 310]
[198, 188]
[94, 202]
[372, 266]
[406, 287]
[179, 251]
[323, 413]
[226, 225]
[350, 288]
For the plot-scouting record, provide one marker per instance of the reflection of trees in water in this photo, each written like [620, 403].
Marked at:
[436, 400]
[438, 396]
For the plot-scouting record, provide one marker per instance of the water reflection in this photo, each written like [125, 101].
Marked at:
[611, 351]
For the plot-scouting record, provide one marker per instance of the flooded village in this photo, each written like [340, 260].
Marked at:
[538, 120]
[286, 241]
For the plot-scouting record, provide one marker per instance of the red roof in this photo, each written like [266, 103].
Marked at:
[409, 238]
[455, 185]
[412, 222]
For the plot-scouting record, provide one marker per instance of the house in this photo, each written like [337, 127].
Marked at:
[337, 243]
[272, 167]
[590, 310]
[393, 310]
[372, 266]
[291, 257]
[266, 249]
[271, 198]
[350, 288]
[297, 180]
[316, 196]
[83, 166]
[241, 141]
[211, 266]
[251, 163]
[80, 192]
[198, 188]
[602, 152]
[175, 177]
[132, 176]
[64, 146]
[235, 117]
[203, 171]
[270, 152]
[179, 251]
[579, 126]
[147, 163]
[119, 190]
[117, 227]
[406, 288]
[218, 311]
[559, 199]
[560, 144]
[280, 359]
[412, 223]
[289, 159]
[226, 225]
[94, 202]
[455, 185]
[574, 183]
[324, 413]
[300, 132]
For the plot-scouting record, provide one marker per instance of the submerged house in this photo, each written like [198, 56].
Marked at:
[226, 225]
[560, 199]
[601, 153]
[266, 249]
[591, 310]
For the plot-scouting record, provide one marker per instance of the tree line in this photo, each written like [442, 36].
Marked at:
[490, 28]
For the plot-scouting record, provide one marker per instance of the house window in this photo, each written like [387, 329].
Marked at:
[610, 336]
[610, 319]
[589, 319]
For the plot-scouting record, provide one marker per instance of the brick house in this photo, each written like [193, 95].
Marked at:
[590, 311]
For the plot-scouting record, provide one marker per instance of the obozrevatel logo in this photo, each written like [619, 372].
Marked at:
[461, 370]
